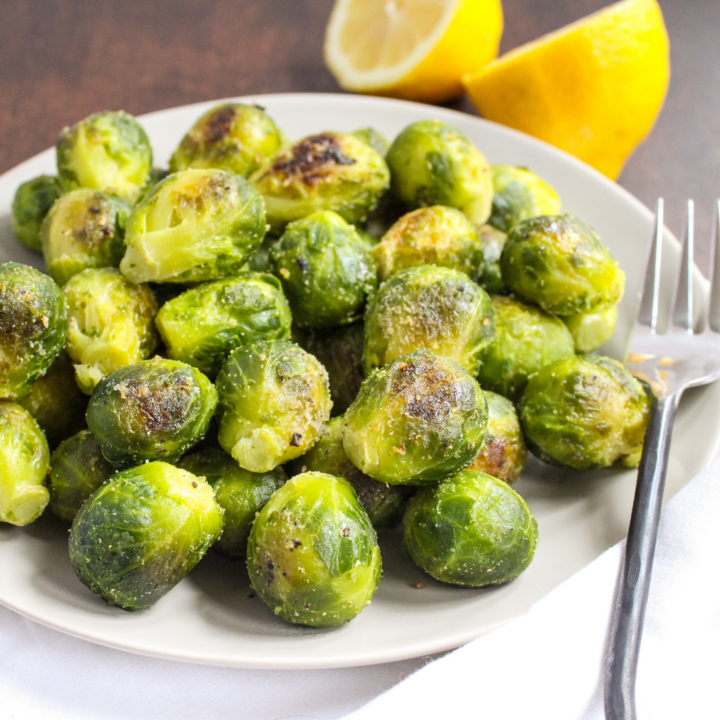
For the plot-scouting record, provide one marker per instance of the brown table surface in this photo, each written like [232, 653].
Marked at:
[61, 60]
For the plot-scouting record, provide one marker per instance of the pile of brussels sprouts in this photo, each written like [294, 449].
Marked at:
[281, 349]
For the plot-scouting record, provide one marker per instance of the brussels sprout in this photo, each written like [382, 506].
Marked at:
[559, 263]
[591, 330]
[428, 308]
[472, 530]
[232, 137]
[24, 460]
[519, 194]
[416, 420]
[329, 171]
[434, 164]
[32, 202]
[33, 327]
[434, 235]
[526, 339]
[156, 409]
[195, 225]
[111, 324]
[274, 400]
[155, 176]
[585, 412]
[259, 261]
[84, 229]
[106, 151]
[142, 532]
[77, 470]
[313, 555]
[326, 270]
[493, 242]
[376, 140]
[201, 326]
[240, 493]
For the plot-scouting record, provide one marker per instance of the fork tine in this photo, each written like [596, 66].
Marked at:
[649, 299]
[682, 313]
[714, 310]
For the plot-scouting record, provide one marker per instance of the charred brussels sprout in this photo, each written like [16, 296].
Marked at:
[493, 242]
[591, 330]
[106, 151]
[559, 263]
[111, 324]
[274, 400]
[24, 460]
[240, 493]
[33, 327]
[428, 308]
[376, 140]
[201, 326]
[329, 171]
[195, 225]
[326, 270]
[313, 555]
[156, 409]
[434, 164]
[84, 229]
[142, 532]
[416, 420]
[32, 202]
[472, 529]
[585, 412]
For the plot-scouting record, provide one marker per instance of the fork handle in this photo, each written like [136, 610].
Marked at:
[632, 596]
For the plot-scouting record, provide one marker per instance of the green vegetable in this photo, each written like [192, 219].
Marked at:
[591, 330]
[32, 202]
[493, 242]
[376, 140]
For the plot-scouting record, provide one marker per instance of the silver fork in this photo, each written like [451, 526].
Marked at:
[686, 355]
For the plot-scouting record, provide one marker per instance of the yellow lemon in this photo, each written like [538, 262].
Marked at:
[593, 88]
[413, 49]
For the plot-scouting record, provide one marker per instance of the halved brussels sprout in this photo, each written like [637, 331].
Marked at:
[33, 327]
[151, 410]
[585, 412]
[493, 242]
[274, 400]
[591, 330]
[376, 140]
[559, 263]
[142, 532]
[201, 326]
[24, 460]
[428, 308]
[434, 164]
[313, 556]
[32, 202]
[329, 171]
[472, 530]
[106, 151]
[240, 493]
[84, 229]
[416, 420]
[232, 137]
[194, 225]
[326, 270]
[111, 324]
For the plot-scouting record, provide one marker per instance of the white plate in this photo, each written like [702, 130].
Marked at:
[209, 617]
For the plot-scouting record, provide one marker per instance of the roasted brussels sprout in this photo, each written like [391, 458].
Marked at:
[84, 229]
[416, 420]
[559, 263]
[526, 339]
[106, 151]
[585, 412]
[274, 400]
[156, 175]
[326, 270]
[24, 460]
[519, 194]
[232, 137]
[32, 202]
[156, 409]
[195, 225]
[201, 326]
[376, 140]
[428, 308]
[472, 529]
[313, 555]
[591, 330]
[329, 171]
[111, 324]
[434, 164]
[240, 493]
[33, 327]
[142, 532]
[493, 242]
[77, 470]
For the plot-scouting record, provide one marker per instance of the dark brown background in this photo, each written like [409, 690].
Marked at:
[61, 60]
